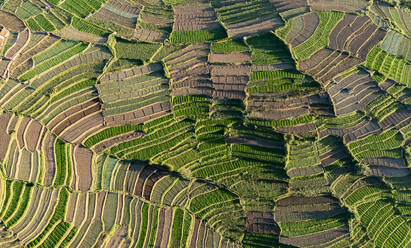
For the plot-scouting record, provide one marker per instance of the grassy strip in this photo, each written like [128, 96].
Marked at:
[282, 87]
[111, 132]
[153, 233]
[283, 123]
[265, 75]
[137, 50]
[229, 46]
[53, 62]
[60, 150]
[88, 27]
[6, 199]
[197, 36]
[144, 224]
[17, 188]
[204, 201]
[176, 230]
[56, 235]
[57, 216]
[320, 36]
[76, 88]
[305, 227]
[44, 23]
[23, 206]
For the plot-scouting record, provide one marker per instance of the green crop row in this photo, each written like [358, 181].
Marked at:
[214, 169]
[58, 215]
[395, 153]
[44, 23]
[229, 46]
[320, 36]
[154, 136]
[258, 150]
[282, 87]
[205, 200]
[152, 125]
[82, 8]
[252, 240]
[385, 141]
[187, 99]
[69, 237]
[268, 49]
[284, 123]
[154, 228]
[56, 235]
[135, 49]
[147, 153]
[17, 190]
[53, 62]
[27, 10]
[111, 132]
[372, 139]
[6, 198]
[362, 193]
[197, 36]
[176, 229]
[305, 227]
[54, 50]
[22, 207]
[88, 27]
[76, 88]
[393, 234]
[144, 224]
[33, 25]
[388, 65]
[266, 75]
[60, 150]
[242, 11]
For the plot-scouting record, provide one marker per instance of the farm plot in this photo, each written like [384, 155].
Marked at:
[302, 218]
[300, 29]
[318, 39]
[127, 95]
[61, 83]
[229, 81]
[325, 64]
[396, 16]
[397, 44]
[4, 135]
[195, 17]
[261, 222]
[118, 12]
[155, 23]
[289, 9]
[390, 66]
[388, 144]
[356, 34]
[195, 23]
[21, 40]
[11, 22]
[247, 18]
[353, 93]
[82, 8]
[52, 61]
[189, 71]
[305, 169]
[343, 6]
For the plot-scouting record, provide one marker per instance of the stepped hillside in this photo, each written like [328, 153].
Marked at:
[205, 123]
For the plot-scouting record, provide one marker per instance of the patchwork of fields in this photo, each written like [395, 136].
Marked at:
[221, 123]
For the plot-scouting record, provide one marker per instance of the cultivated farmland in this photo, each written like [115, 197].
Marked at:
[205, 123]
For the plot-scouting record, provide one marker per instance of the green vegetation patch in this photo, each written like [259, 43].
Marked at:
[229, 46]
[137, 50]
[197, 36]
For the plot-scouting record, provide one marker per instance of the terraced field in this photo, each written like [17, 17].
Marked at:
[222, 123]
